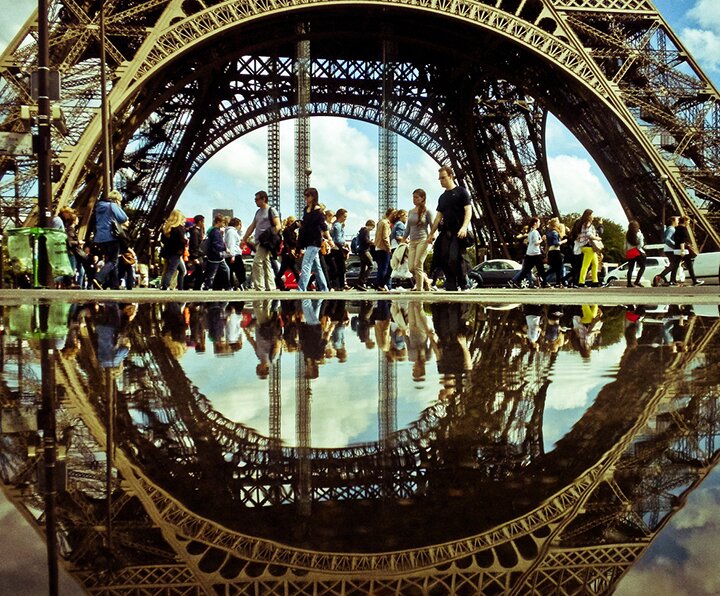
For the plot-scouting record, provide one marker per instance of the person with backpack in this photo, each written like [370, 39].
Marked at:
[216, 252]
[264, 227]
[108, 212]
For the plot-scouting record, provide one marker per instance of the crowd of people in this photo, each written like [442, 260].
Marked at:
[316, 247]
[582, 248]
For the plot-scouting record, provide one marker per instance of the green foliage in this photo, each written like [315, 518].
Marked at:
[613, 237]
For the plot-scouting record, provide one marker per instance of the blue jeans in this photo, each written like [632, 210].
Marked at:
[211, 269]
[172, 264]
[383, 272]
[310, 265]
[111, 254]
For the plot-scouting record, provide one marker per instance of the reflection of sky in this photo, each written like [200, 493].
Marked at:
[575, 383]
[683, 560]
[344, 396]
[345, 404]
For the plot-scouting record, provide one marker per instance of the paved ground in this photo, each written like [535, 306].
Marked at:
[706, 294]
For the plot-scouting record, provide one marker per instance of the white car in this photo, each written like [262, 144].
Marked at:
[653, 266]
[707, 267]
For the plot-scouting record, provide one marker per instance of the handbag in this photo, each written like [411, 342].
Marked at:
[270, 240]
[119, 232]
[632, 253]
[596, 245]
[325, 247]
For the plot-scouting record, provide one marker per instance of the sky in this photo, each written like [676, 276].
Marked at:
[344, 152]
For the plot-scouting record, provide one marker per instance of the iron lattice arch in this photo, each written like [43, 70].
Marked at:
[612, 71]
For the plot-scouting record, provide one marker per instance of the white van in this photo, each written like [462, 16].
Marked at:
[707, 267]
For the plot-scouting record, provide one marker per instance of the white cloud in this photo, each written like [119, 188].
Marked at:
[578, 188]
[706, 13]
[704, 45]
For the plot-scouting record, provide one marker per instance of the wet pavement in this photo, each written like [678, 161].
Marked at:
[449, 443]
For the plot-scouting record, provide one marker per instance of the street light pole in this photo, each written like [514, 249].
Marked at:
[43, 119]
[106, 133]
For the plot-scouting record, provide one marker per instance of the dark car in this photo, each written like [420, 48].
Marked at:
[495, 273]
[352, 272]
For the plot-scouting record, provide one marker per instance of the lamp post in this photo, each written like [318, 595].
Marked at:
[43, 118]
[43, 141]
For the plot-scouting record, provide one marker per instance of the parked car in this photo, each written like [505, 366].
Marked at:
[707, 267]
[653, 267]
[352, 271]
[496, 273]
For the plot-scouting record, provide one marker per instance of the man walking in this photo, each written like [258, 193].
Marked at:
[266, 219]
[451, 220]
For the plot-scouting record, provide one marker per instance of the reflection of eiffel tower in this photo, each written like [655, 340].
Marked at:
[472, 84]
[598, 517]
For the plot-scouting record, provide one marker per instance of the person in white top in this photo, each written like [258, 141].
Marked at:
[533, 256]
[234, 260]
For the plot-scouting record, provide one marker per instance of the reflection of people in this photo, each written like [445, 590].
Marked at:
[586, 328]
[267, 339]
[420, 339]
[453, 355]
[113, 345]
[313, 335]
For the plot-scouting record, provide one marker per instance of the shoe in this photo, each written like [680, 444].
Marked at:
[97, 285]
[699, 282]
[657, 280]
[512, 284]
[361, 288]
[637, 284]
[629, 285]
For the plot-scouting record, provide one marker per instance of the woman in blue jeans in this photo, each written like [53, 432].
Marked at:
[173, 249]
[312, 230]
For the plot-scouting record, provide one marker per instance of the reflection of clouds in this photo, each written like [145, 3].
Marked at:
[575, 383]
[683, 559]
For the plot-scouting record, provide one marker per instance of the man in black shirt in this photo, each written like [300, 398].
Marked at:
[452, 221]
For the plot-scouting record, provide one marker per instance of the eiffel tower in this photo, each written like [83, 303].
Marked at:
[472, 83]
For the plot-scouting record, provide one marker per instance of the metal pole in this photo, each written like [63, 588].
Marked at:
[43, 145]
[107, 178]
[50, 461]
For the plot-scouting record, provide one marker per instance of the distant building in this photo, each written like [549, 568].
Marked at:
[226, 212]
